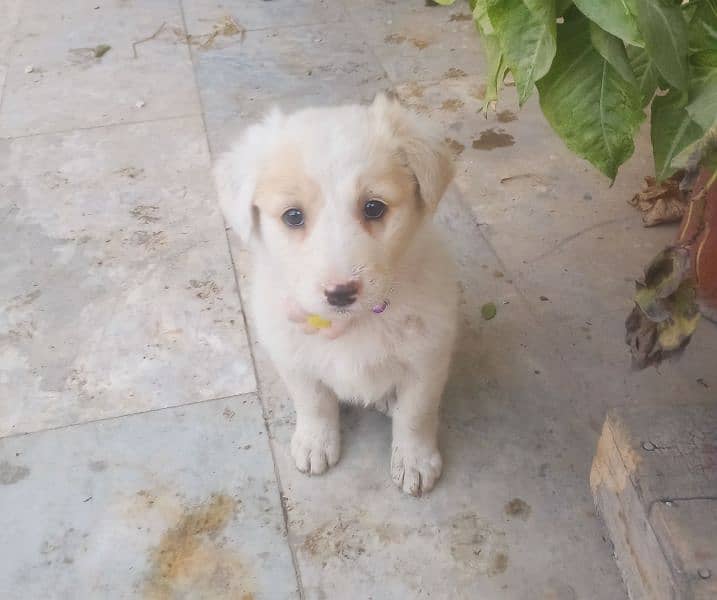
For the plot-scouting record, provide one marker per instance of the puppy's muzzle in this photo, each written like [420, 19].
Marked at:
[342, 294]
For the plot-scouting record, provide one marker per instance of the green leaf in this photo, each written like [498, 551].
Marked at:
[444, 2]
[665, 31]
[496, 70]
[614, 16]
[488, 311]
[527, 40]
[562, 6]
[587, 102]
[672, 130]
[699, 154]
[613, 51]
[703, 64]
[645, 72]
[494, 55]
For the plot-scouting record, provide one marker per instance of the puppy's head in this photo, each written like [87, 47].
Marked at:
[331, 198]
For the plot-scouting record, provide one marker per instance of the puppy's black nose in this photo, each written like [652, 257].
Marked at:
[342, 294]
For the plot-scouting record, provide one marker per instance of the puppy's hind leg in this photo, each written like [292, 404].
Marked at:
[316, 443]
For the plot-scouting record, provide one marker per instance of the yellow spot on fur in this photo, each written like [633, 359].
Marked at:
[318, 322]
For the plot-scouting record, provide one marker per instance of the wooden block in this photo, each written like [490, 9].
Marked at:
[654, 480]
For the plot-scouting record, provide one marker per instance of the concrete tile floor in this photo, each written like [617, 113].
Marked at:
[157, 464]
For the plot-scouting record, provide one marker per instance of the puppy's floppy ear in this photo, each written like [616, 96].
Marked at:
[421, 146]
[236, 173]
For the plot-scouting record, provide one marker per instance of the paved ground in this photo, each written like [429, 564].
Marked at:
[144, 435]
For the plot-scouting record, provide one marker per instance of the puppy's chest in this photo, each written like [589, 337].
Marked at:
[363, 381]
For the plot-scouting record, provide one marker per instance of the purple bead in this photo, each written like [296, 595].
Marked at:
[379, 308]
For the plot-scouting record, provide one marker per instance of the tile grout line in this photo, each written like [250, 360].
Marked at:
[7, 56]
[91, 127]
[257, 381]
[132, 414]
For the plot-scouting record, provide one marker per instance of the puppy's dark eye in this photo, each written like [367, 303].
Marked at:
[293, 217]
[374, 209]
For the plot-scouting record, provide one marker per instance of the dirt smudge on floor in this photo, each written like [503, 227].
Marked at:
[413, 90]
[478, 92]
[399, 38]
[10, 474]
[205, 289]
[191, 560]
[477, 545]
[454, 73]
[455, 146]
[461, 17]
[517, 507]
[97, 466]
[145, 214]
[452, 104]
[493, 138]
[506, 116]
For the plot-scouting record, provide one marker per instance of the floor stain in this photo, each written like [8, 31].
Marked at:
[478, 92]
[455, 146]
[398, 38]
[452, 104]
[517, 507]
[506, 116]
[191, 561]
[131, 172]
[461, 17]
[454, 73]
[19, 301]
[97, 466]
[151, 240]
[205, 289]
[340, 539]
[414, 90]
[476, 545]
[10, 474]
[492, 138]
[145, 214]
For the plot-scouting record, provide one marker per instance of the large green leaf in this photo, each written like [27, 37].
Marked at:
[614, 16]
[703, 64]
[587, 102]
[672, 130]
[665, 32]
[527, 40]
[494, 55]
[613, 51]
[645, 72]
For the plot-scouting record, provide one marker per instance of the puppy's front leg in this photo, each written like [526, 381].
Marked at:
[316, 443]
[415, 460]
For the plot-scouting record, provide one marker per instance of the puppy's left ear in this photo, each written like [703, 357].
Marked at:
[420, 145]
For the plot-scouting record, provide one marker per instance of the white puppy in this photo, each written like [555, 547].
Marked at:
[353, 294]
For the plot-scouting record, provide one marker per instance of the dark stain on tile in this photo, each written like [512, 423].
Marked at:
[506, 116]
[455, 146]
[454, 73]
[493, 138]
[399, 38]
[452, 104]
[498, 564]
[10, 474]
[98, 466]
[461, 17]
[517, 507]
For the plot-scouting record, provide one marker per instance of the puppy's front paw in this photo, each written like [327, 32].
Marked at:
[315, 448]
[415, 467]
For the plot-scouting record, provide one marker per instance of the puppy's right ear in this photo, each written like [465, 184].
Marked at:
[236, 173]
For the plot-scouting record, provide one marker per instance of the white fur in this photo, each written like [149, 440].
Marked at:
[397, 360]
